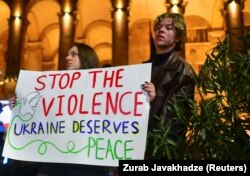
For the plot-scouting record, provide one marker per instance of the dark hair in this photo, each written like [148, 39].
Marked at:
[179, 24]
[87, 56]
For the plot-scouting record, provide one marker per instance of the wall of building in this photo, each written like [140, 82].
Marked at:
[205, 25]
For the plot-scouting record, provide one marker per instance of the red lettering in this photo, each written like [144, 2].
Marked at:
[38, 80]
[59, 113]
[96, 103]
[113, 104]
[63, 80]
[120, 104]
[114, 78]
[66, 80]
[136, 103]
[75, 76]
[54, 79]
[109, 78]
[47, 109]
[118, 77]
[72, 101]
[81, 111]
[94, 77]
[110, 104]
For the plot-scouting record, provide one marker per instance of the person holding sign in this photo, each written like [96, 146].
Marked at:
[171, 75]
[80, 56]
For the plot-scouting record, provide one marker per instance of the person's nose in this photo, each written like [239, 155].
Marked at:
[67, 57]
[162, 29]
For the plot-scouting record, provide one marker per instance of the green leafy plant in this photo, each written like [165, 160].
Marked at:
[219, 124]
[163, 145]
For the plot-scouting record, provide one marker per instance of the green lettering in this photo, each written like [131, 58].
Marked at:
[98, 148]
[118, 141]
[91, 139]
[109, 149]
[127, 149]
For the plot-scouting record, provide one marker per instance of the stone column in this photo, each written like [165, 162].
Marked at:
[33, 56]
[234, 22]
[17, 30]
[2, 60]
[67, 20]
[120, 32]
[2, 68]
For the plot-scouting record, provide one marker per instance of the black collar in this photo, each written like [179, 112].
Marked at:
[160, 59]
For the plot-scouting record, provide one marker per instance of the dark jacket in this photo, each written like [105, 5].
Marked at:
[171, 78]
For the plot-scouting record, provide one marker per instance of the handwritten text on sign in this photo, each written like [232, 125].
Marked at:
[95, 116]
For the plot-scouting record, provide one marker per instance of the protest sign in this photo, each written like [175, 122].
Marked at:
[94, 116]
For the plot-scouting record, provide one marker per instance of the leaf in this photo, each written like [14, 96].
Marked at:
[203, 133]
[168, 153]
